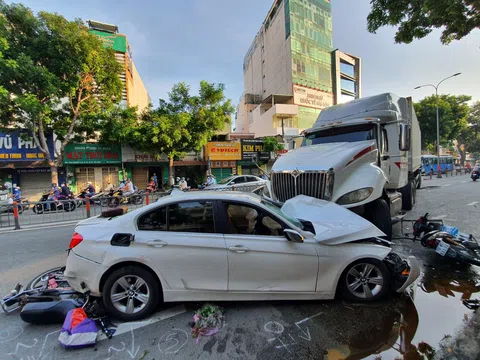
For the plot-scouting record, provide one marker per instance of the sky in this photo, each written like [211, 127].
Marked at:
[193, 40]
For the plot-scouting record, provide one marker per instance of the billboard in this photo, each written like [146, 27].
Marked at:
[112, 41]
[15, 147]
[313, 98]
[223, 150]
[92, 154]
[254, 147]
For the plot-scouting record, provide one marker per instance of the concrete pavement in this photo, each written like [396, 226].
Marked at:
[393, 328]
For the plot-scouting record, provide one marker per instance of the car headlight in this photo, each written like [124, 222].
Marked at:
[355, 196]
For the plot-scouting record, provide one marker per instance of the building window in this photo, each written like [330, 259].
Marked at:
[347, 69]
[346, 98]
[348, 85]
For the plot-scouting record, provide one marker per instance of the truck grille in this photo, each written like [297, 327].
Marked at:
[317, 184]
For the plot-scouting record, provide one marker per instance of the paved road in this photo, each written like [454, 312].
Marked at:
[270, 330]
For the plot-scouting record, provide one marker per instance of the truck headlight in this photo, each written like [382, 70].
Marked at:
[355, 196]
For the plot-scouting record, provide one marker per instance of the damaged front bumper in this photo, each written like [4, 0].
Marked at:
[404, 273]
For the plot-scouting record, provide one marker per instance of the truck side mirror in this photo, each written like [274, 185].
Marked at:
[404, 138]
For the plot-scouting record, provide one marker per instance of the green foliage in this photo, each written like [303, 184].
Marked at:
[183, 123]
[271, 143]
[469, 138]
[454, 112]
[57, 75]
[416, 19]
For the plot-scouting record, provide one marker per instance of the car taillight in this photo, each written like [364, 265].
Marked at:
[76, 239]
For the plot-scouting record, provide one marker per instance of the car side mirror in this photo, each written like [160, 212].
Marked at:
[293, 236]
[404, 138]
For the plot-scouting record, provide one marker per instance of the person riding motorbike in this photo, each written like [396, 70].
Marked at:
[109, 187]
[128, 189]
[152, 186]
[183, 184]
[54, 194]
[65, 191]
[16, 194]
[90, 189]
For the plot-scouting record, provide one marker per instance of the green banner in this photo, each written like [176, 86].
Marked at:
[92, 154]
[113, 41]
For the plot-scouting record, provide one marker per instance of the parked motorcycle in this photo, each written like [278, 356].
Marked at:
[63, 203]
[446, 240]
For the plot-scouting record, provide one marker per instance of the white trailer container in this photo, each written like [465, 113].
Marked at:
[364, 155]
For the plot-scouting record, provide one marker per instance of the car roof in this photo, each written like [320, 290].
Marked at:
[211, 195]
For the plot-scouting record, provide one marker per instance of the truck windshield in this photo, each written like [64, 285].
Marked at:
[341, 134]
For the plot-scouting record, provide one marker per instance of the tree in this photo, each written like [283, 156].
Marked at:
[469, 138]
[183, 123]
[454, 112]
[270, 143]
[415, 19]
[60, 76]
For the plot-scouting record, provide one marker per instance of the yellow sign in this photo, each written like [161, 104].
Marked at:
[224, 150]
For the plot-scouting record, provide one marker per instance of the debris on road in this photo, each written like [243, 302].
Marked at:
[207, 321]
[78, 330]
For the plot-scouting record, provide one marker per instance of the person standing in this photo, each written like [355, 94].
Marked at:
[183, 184]
[155, 180]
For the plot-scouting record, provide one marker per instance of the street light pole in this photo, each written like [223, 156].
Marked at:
[439, 173]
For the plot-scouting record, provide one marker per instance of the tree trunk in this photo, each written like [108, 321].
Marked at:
[462, 155]
[54, 172]
[171, 174]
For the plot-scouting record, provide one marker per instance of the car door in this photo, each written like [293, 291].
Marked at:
[182, 242]
[260, 258]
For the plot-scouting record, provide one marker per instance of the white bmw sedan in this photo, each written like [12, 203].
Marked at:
[208, 246]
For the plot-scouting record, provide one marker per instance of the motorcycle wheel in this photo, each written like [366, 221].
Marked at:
[113, 202]
[38, 209]
[69, 206]
[469, 256]
[137, 200]
[20, 209]
[57, 272]
[104, 202]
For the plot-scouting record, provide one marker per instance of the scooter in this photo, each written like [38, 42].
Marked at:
[22, 205]
[475, 174]
[433, 235]
[63, 203]
[117, 198]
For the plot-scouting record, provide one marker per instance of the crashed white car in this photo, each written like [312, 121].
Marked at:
[219, 246]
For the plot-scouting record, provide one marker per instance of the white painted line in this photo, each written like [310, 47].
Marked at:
[447, 185]
[308, 318]
[439, 217]
[129, 326]
[472, 203]
[463, 182]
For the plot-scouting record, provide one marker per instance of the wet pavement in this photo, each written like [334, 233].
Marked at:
[396, 328]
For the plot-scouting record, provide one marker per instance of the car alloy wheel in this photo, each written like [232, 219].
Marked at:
[130, 294]
[364, 281]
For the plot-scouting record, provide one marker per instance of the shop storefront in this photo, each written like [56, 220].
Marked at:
[222, 158]
[141, 167]
[23, 164]
[253, 150]
[95, 163]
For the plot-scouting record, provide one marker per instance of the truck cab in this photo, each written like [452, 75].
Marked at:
[358, 155]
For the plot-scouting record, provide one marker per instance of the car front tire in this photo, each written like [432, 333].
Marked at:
[365, 280]
[131, 293]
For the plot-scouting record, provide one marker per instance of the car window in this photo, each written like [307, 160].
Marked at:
[193, 216]
[239, 180]
[251, 179]
[248, 220]
[226, 180]
[155, 220]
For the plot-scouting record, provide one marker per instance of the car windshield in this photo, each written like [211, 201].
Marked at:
[226, 180]
[341, 134]
[275, 208]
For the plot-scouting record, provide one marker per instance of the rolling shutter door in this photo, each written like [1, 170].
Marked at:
[33, 185]
[140, 177]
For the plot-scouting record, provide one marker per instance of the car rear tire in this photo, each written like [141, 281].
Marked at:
[130, 293]
[378, 213]
[365, 280]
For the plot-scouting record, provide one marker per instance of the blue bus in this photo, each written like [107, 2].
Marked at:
[429, 163]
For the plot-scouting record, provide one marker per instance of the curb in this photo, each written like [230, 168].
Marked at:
[37, 227]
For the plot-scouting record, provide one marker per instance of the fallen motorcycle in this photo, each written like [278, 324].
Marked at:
[445, 240]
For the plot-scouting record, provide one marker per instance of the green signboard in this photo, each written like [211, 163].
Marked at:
[92, 154]
[113, 41]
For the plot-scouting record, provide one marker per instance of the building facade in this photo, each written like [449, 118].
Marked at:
[288, 70]
[347, 77]
[134, 92]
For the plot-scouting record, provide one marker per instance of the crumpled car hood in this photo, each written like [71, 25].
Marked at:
[333, 223]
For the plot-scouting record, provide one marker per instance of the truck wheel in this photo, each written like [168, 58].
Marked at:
[408, 196]
[378, 213]
[419, 183]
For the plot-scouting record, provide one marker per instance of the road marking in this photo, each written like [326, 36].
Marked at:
[447, 185]
[439, 217]
[463, 182]
[308, 318]
[472, 203]
[162, 315]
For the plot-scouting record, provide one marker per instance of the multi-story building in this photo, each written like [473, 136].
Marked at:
[289, 70]
[347, 71]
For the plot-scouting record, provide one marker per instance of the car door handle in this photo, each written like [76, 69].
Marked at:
[157, 243]
[239, 249]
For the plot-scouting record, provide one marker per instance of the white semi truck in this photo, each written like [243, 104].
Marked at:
[364, 155]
